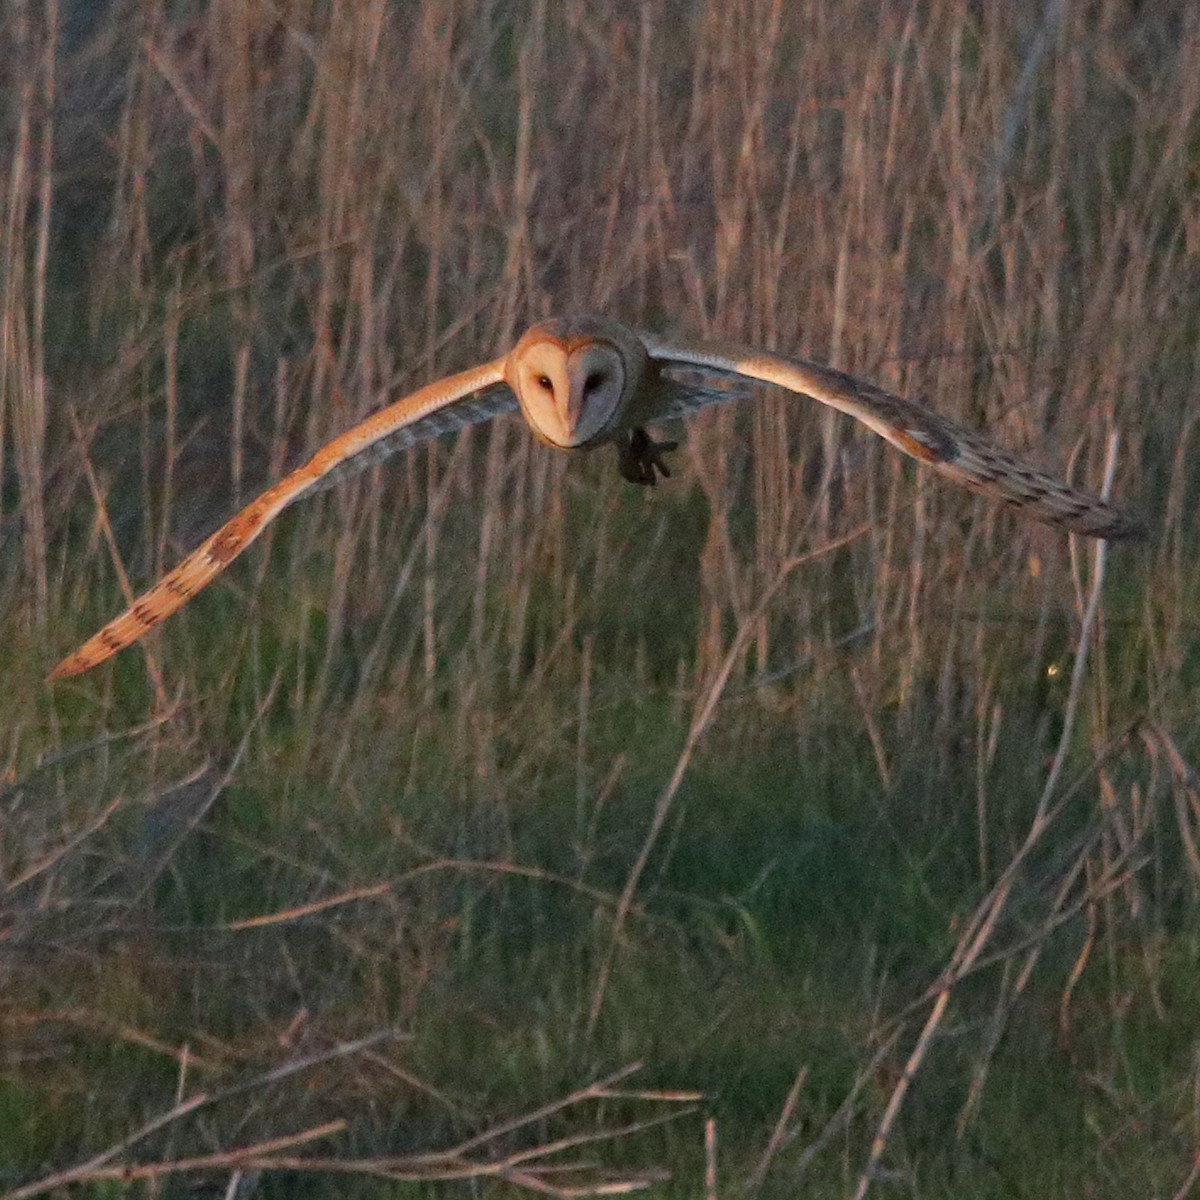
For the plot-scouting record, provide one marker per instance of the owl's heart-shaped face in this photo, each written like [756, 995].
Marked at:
[570, 395]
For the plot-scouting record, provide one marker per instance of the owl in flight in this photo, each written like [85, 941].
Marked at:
[585, 381]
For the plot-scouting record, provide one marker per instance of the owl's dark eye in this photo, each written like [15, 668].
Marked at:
[543, 381]
[593, 381]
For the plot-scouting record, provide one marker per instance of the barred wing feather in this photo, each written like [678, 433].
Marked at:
[969, 458]
[449, 404]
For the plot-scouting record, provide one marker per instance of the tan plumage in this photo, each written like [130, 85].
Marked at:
[585, 381]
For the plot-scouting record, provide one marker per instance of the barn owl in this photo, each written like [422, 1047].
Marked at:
[585, 381]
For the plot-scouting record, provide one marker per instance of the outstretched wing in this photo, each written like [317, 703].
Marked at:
[435, 409]
[962, 455]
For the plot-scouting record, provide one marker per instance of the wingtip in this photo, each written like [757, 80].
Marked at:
[1118, 526]
[1130, 529]
[78, 661]
[64, 668]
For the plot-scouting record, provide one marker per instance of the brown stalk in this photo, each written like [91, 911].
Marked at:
[705, 712]
[162, 703]
[87, 1169]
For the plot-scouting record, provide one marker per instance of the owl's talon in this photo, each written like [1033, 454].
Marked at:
[641, 456]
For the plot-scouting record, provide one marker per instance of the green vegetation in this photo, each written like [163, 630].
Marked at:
[486, 776]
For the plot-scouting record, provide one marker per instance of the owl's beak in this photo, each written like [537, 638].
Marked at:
[576, 397]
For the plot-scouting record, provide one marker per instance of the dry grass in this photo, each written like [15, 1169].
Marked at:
[822, 788]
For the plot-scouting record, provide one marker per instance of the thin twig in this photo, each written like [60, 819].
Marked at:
[244, 1157]
[60, 852]
[700, 723]
[755, 1180]
[89, 1168]
[156, 679]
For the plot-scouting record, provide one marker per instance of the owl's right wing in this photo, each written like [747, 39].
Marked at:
[467, 398]
[969, 458]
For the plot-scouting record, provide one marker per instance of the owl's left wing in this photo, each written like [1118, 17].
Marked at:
[449, 404]
[968, 458]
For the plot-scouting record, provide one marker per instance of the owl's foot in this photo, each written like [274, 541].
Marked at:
[641, 456]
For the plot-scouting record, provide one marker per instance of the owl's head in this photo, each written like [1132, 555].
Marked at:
[574, 378]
